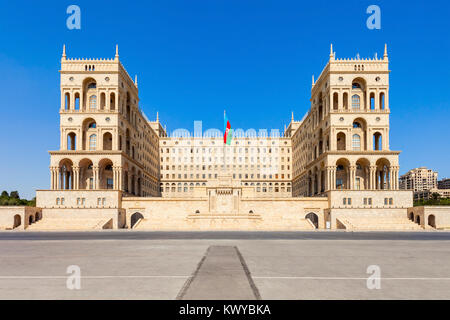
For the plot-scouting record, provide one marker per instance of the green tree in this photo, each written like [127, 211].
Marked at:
[14, 195]
[5, 194]
[435, 195]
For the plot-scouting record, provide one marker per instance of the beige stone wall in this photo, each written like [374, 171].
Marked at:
[285, 212]
[423, 216]
[380, 199]
[78, 199]
[118, 216]
[163, 213]
[18, 217]
[270, 213]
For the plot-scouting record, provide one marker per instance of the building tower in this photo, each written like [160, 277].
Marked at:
[343, 141]
[107, 143]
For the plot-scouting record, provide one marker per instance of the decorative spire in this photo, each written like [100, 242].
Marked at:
[64, 51]
[385, 51]
[313, 83]
[135, 80]
[117, 52]
[292, 117]
[331, 52]
[157, 116]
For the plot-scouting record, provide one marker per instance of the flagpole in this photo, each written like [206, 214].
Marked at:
[224, 143]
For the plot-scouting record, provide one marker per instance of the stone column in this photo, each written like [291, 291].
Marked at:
[372, 173]
[76, 177]
[58, 178]
[52, 178]
[352, 177]
[328, 180]
[332, 184]
[319, 181]
[397, 169]
[95, 171]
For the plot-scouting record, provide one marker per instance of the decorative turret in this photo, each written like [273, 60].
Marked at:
[331, 52]
[117, 52]
[385, 56]
[64, 52]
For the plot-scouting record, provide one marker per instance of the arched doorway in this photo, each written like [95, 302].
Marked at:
[313, 218]
[17, 221]
[432, 220]
[135, 217]
[411, 216]
[30, 219]
[418, 219]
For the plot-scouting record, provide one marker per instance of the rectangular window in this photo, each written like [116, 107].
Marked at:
[344, 201]
[78, 201]
[391, 201]
[370, 201]
[99, 201]
[62, 201]
[349, 201]
[57, 201]
[385, 201]
[109, 183]
[103, 201]
[365, 201]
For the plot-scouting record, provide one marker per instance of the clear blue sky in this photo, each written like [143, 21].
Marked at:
[195, 58]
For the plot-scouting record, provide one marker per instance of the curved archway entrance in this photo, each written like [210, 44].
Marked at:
[17, 221]
[418, 219]
[432, 220]
[313, 218]
[135, 217]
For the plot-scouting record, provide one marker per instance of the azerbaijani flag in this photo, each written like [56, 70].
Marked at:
[228, 132]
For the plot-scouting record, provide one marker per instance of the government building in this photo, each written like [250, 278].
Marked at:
[331, 169]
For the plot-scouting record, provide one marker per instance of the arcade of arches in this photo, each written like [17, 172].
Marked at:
[102, 175]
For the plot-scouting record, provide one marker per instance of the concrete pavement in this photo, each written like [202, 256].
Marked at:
[124, 265]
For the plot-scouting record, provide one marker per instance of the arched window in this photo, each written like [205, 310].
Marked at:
[71, 141]
[92, 125]
[377, 141]
[67, 101]
[355, 102]
[107, 141]
[372, 101]
[92, 142]
[382, 106]
[356, 85]
[356, 142]
[93, 102]
[92, 85]
[77, 101]
[340, 141]
[356, 125]
[335, 101]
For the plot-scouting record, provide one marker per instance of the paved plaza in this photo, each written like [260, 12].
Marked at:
[224, 265]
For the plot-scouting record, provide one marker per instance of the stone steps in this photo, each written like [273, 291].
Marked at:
[67, 224]
[379, 223]
[223, 222]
